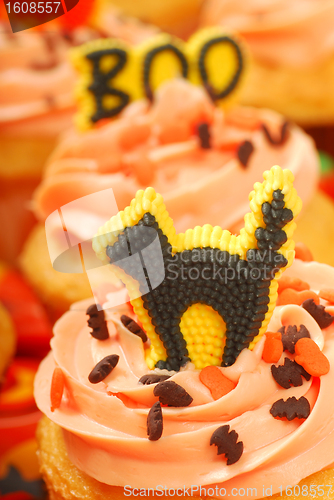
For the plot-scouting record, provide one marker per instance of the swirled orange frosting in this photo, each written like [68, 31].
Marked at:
[105, 424]
[158, 145]
[280, 32]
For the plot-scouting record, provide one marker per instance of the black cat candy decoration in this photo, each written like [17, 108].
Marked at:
[211, 294]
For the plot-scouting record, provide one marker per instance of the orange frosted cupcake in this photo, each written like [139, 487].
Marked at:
[231, 369]
[293, 54]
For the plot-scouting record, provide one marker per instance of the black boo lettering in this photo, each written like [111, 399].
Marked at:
[101, 83]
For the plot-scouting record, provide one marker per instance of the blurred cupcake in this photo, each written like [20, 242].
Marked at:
[202, 159]
[293, 57]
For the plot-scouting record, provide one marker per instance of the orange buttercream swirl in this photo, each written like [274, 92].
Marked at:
[105, 423]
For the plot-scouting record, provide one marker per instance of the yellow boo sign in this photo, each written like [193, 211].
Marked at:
[114, 74]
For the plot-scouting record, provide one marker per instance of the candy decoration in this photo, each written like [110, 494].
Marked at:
[318, 312]
[103, 368]
[227, 444]
[57, 388]
[327, 294]
[133, 327]
[289, 374]
[204, 135]
[152, 378]
[114, 74]
[291, 408]
[273, 348]
[281, 139]
[244, 152]
[309, 356]
[215, 380]
[172, 394]
[290, 336]
[233, 279]
[290, 296]
[97, 322]
[292, 282]
[155, 422]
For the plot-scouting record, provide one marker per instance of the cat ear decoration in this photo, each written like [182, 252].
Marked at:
[216, 291]
[113, 74]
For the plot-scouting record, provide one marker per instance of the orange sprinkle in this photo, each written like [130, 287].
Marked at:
[309, 356]
[327, 294]
[290, 282]
[273, 347]
[290, 296]
[57, 388]
[302, 252]
[213, 379]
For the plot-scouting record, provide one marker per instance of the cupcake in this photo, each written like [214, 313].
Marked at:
[36, 105]
[293, 58]
[232, 370]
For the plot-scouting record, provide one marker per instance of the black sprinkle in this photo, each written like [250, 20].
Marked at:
[244, 152]
[290, 336]
[283, 135]
[323, 318]
[291, 408]
[155, 422]
[152, 378]
[133, 327]
[172, 394]
[103, 368]
[204, 135]
[227, 443]
[97, 322]
[289, 374]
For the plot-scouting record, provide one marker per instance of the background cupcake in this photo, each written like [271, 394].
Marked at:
[293, 57]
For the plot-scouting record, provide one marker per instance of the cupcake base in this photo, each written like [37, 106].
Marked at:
[64, 481]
